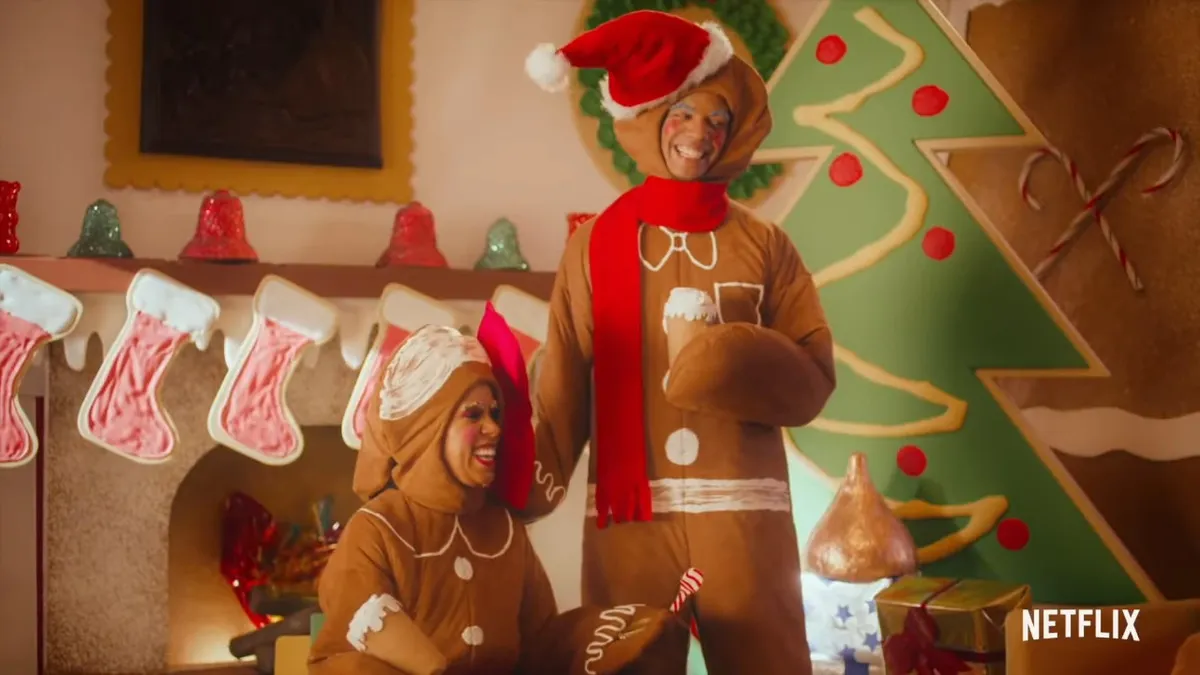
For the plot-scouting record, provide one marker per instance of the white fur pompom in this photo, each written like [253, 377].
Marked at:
[548, 68]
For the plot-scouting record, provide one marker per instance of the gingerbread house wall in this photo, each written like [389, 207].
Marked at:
[1094, 75]
[107, 519]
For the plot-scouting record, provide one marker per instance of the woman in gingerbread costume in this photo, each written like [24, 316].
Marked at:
[433, 574]
[692, 331]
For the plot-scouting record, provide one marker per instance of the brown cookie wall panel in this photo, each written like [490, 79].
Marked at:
[1094, 75]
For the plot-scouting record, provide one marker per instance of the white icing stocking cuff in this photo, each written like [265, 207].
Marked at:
[404, 307]
[30, 299]
[295, 308]
[369, 619]
[179, 307]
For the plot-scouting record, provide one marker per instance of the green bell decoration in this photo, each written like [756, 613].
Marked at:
[503, 251]
[100, 236]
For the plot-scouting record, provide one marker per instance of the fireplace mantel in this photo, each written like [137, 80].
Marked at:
[112, 275]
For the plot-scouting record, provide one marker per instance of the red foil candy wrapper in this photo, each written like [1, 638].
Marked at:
[220, 232]
[574, 220]
[9, 191]
[414, 240]
[249, 534]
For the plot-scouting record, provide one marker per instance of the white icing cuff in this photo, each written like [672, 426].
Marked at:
[30, 299]
[522, 311]
[286, 303]
[180, 307]
[422, 365]
[405, 308]
[369, 619]
[692, 304]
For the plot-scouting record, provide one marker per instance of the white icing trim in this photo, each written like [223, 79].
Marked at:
[422, 365]
[30, 299]
[705, 495]
[405, 308]
[457, 532]
[718, 53]
[1091, 432]
[679, 242]
[692, 304]
[553, 491]
[717, 286]
[369, 619]
[522, 311]
[286, 303]
[180, 307]
[615, 620]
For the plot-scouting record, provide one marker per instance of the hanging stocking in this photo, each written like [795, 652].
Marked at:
[32, 313]
[526, 315]
[401, 311]
[250, 414]
[122, 412]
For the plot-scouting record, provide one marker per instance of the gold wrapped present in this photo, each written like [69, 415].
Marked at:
[934, 626]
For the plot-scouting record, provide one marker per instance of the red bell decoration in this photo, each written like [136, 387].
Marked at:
[414, 240]
[9, 191]
[220, 232]
[574, 220]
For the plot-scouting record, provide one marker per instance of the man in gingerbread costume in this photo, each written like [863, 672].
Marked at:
[684, 333]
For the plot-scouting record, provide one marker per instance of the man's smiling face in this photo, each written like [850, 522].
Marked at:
[693, 134]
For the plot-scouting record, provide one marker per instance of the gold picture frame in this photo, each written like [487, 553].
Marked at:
[127, 166]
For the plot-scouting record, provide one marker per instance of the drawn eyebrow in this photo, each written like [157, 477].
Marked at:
[683, 106]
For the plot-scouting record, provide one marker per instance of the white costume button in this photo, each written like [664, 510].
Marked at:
[473, 635]
[683, 446]
[463, 568]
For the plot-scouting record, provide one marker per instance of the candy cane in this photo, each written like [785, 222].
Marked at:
[688, 585]
[1095, 203]
[1073, 171]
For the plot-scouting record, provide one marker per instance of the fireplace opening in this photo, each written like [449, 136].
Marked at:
[204, 613]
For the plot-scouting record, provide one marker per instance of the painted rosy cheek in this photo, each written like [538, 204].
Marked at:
[671, 126]
[718, 138]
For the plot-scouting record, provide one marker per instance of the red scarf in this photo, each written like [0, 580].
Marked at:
[622, 486]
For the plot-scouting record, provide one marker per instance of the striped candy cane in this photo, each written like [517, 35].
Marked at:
[1095, 202]
[688, 585]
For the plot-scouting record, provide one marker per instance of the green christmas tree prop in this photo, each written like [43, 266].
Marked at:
[100, 235]
[503, 251]
[928, 306]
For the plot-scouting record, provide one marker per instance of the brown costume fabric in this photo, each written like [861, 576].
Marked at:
[455, 559]
[725, 511]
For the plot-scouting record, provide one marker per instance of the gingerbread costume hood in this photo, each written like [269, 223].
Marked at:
[407, 419]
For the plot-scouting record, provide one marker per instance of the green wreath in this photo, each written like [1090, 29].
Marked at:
[754, 21]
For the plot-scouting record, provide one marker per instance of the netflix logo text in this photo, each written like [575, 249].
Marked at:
[1096, 623]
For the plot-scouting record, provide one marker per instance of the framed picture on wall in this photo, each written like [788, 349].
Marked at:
[277, 80]
[298, 98]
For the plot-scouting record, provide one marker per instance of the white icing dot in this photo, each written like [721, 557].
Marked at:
[463, 568]
[666, 376]
[683, 446]
[473, 635]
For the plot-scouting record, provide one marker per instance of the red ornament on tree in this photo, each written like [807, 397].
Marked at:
[574, 220]
[831, 49]
[912, 460]
[220, 232]
[938, 243]
[930, 100]
[414, 240]
[845, 170]
[9, 191]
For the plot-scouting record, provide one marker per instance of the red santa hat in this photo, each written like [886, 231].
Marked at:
[651, 58]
